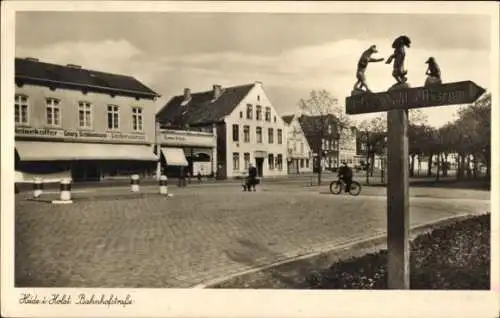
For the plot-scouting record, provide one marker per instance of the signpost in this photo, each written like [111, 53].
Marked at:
[436, 95]
[396, 102]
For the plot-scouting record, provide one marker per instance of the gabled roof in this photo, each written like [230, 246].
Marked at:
[32, 70]
[288, 119]
[202, 109]
[311, 126]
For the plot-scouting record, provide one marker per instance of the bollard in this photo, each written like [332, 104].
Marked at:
[134, 183]
[65, 188]
[163, 185]
[37, 187]
[65, 196]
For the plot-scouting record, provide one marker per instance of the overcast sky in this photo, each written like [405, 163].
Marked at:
[290, 53]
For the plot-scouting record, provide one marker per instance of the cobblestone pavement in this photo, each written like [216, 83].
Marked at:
[111, 239]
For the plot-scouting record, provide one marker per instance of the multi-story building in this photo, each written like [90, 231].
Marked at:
[80, 123]
[336, 143]
[299, 154]
[249, 130]
[195, 150]
[323, 136]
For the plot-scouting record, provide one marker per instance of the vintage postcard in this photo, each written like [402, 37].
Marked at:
[250, 159]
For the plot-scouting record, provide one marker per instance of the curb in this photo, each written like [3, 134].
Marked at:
[353, 244]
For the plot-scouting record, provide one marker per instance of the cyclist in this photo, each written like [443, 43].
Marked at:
[345, 174]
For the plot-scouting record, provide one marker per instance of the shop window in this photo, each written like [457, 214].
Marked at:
[21, 110]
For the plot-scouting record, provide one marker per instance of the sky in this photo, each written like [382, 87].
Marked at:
[291, 54]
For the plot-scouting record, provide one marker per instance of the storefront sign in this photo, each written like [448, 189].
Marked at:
[79, 135]
[193, 139]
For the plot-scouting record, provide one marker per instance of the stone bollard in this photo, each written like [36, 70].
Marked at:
[65, 195]
[163, 185]
[37, 187]
[134, 183]
[65, 188]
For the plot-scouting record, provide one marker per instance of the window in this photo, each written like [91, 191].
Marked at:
[136, 119]
[236, 133]
[307, 163]
[274, 118]
[301, 147]
[53, 112]
[247, 160]
[280, 136]
[236, 161]
[249, 111]
[246, 133]
[259, 134]
[258, 97]
[21, 109]
[85, 115]
[268, 114]
[241, 114]
[258, 114]
[302, 163]
[330, 130]
[271, 161]
[279, 162]
[270, 133]
[113, 118]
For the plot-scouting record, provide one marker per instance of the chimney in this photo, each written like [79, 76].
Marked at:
[217, 90]
[187, 96]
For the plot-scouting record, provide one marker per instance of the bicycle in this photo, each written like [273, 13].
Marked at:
[337, 186]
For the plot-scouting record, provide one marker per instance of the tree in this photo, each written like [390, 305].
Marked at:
[324, 121]
[474, 129]
[373, 135]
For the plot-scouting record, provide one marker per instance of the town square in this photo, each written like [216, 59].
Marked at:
[217, 151]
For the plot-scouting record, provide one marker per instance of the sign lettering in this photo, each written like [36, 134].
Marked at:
[438, 95]
[77, 135]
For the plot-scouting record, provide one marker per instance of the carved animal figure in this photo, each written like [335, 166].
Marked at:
[433, 72]
[399, 44]
[365, 58]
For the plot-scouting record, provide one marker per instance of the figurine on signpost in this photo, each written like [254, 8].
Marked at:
[433, 72]
[366, 57]
[399, 72]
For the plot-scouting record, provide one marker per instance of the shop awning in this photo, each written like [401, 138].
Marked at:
[58, 151]
[174, 156]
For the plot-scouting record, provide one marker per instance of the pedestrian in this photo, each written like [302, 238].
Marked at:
[251, 180]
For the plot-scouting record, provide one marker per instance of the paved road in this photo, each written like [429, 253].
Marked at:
[200, 233]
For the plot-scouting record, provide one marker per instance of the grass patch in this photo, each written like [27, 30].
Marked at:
[454, 256]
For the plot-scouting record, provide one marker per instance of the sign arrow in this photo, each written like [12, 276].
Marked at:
[457, 93]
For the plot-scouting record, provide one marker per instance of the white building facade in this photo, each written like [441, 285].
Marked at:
[299, 153]
[255, 134]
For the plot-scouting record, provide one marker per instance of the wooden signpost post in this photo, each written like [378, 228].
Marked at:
[396, 102]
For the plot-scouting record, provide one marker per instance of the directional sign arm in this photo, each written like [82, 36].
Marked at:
[436, 95]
